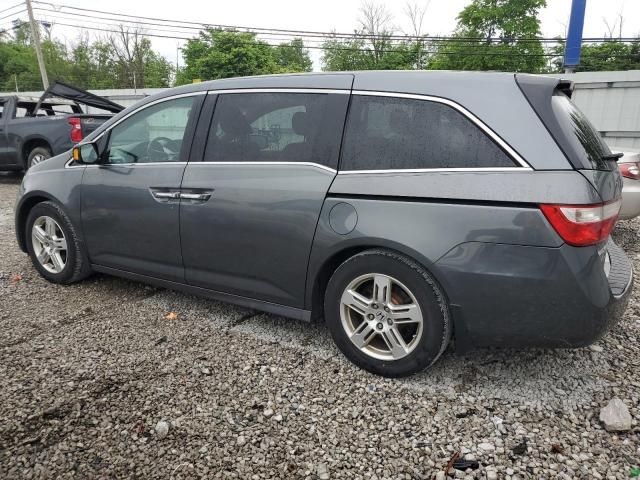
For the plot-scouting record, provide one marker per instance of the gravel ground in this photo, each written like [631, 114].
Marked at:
[88, 371]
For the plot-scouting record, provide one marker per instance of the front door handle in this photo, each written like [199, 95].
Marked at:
[166, 195]
[198, 197]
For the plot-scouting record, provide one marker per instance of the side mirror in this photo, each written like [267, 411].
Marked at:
[86, 153]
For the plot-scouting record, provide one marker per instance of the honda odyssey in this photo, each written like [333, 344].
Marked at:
[405, 209]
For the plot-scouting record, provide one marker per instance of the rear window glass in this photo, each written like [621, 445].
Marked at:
[581, 137]
[388, 133]
[277, 127]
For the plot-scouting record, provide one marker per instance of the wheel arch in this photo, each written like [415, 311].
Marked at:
[22, 213]
[320, 271]
[33, 142]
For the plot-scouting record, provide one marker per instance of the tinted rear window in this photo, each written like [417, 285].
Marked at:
[579, 136]
[277, 127]
[389, 133]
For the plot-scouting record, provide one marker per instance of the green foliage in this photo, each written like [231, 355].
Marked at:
[293, 57]
[606, 56]
[358, 53]
[220, 53]
[89, 65]
[350, 54]
[514, 22]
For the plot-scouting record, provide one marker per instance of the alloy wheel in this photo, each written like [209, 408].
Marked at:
[37, 158]
[381, 316]
[49, 244]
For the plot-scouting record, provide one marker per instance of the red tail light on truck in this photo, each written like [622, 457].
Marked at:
[76, 129]
[583, 225]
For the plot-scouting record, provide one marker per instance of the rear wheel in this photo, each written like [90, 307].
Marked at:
[37, 155]
[387, 314]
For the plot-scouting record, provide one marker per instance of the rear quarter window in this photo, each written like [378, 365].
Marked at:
[389, 133]
[578, 135]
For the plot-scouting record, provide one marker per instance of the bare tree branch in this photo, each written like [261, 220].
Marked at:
[415, 13]
[376, 20]
[127, 45]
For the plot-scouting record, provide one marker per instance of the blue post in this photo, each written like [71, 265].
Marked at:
[574, 37]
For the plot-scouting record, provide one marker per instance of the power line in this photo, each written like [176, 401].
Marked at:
[14, 14]
[261, 36]
[298, 33]
[311, 36]
[316, 41]
[260, 31]
[355, 49]
[21, 4]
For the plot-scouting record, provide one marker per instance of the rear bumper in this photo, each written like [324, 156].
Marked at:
[520, 296]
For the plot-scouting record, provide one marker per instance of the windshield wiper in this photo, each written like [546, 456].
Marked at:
[612, 156]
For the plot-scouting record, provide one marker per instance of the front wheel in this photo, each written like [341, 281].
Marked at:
[387, 314]
[53, 245]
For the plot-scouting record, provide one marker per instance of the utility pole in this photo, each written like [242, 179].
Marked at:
[574, 36]
[35, 33]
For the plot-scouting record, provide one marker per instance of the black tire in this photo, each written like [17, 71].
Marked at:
[77, 264]
[42, 151]
[436, 332]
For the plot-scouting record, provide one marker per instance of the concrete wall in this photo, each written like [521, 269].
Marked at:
[610, 99]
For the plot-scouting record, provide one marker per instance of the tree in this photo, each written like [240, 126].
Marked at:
[375, 23]
[107, 63]
[605, 56]
[373, 46]
[293, 57]
[220, 53]
[347, 54]
[474, 46]
[137, 65]
[415, 13]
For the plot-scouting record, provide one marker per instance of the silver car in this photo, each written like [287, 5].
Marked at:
[629, 165]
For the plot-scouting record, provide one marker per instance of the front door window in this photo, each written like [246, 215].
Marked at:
[154, 134]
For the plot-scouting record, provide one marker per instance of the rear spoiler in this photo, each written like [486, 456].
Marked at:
[565, 86]
[62, 90]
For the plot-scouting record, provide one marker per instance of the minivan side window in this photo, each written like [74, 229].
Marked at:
[385, 133]
[154, 134]
[277, 127]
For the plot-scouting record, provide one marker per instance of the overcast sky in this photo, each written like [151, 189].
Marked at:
[342, 15]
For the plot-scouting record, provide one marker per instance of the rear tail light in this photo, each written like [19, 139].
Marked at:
[583, 225]
[630, 170]
[76, 129]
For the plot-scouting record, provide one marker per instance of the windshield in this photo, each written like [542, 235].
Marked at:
[579, 134]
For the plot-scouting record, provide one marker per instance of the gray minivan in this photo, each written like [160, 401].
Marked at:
[403, 208]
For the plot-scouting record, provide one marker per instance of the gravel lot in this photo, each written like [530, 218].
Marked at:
[88, 371]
